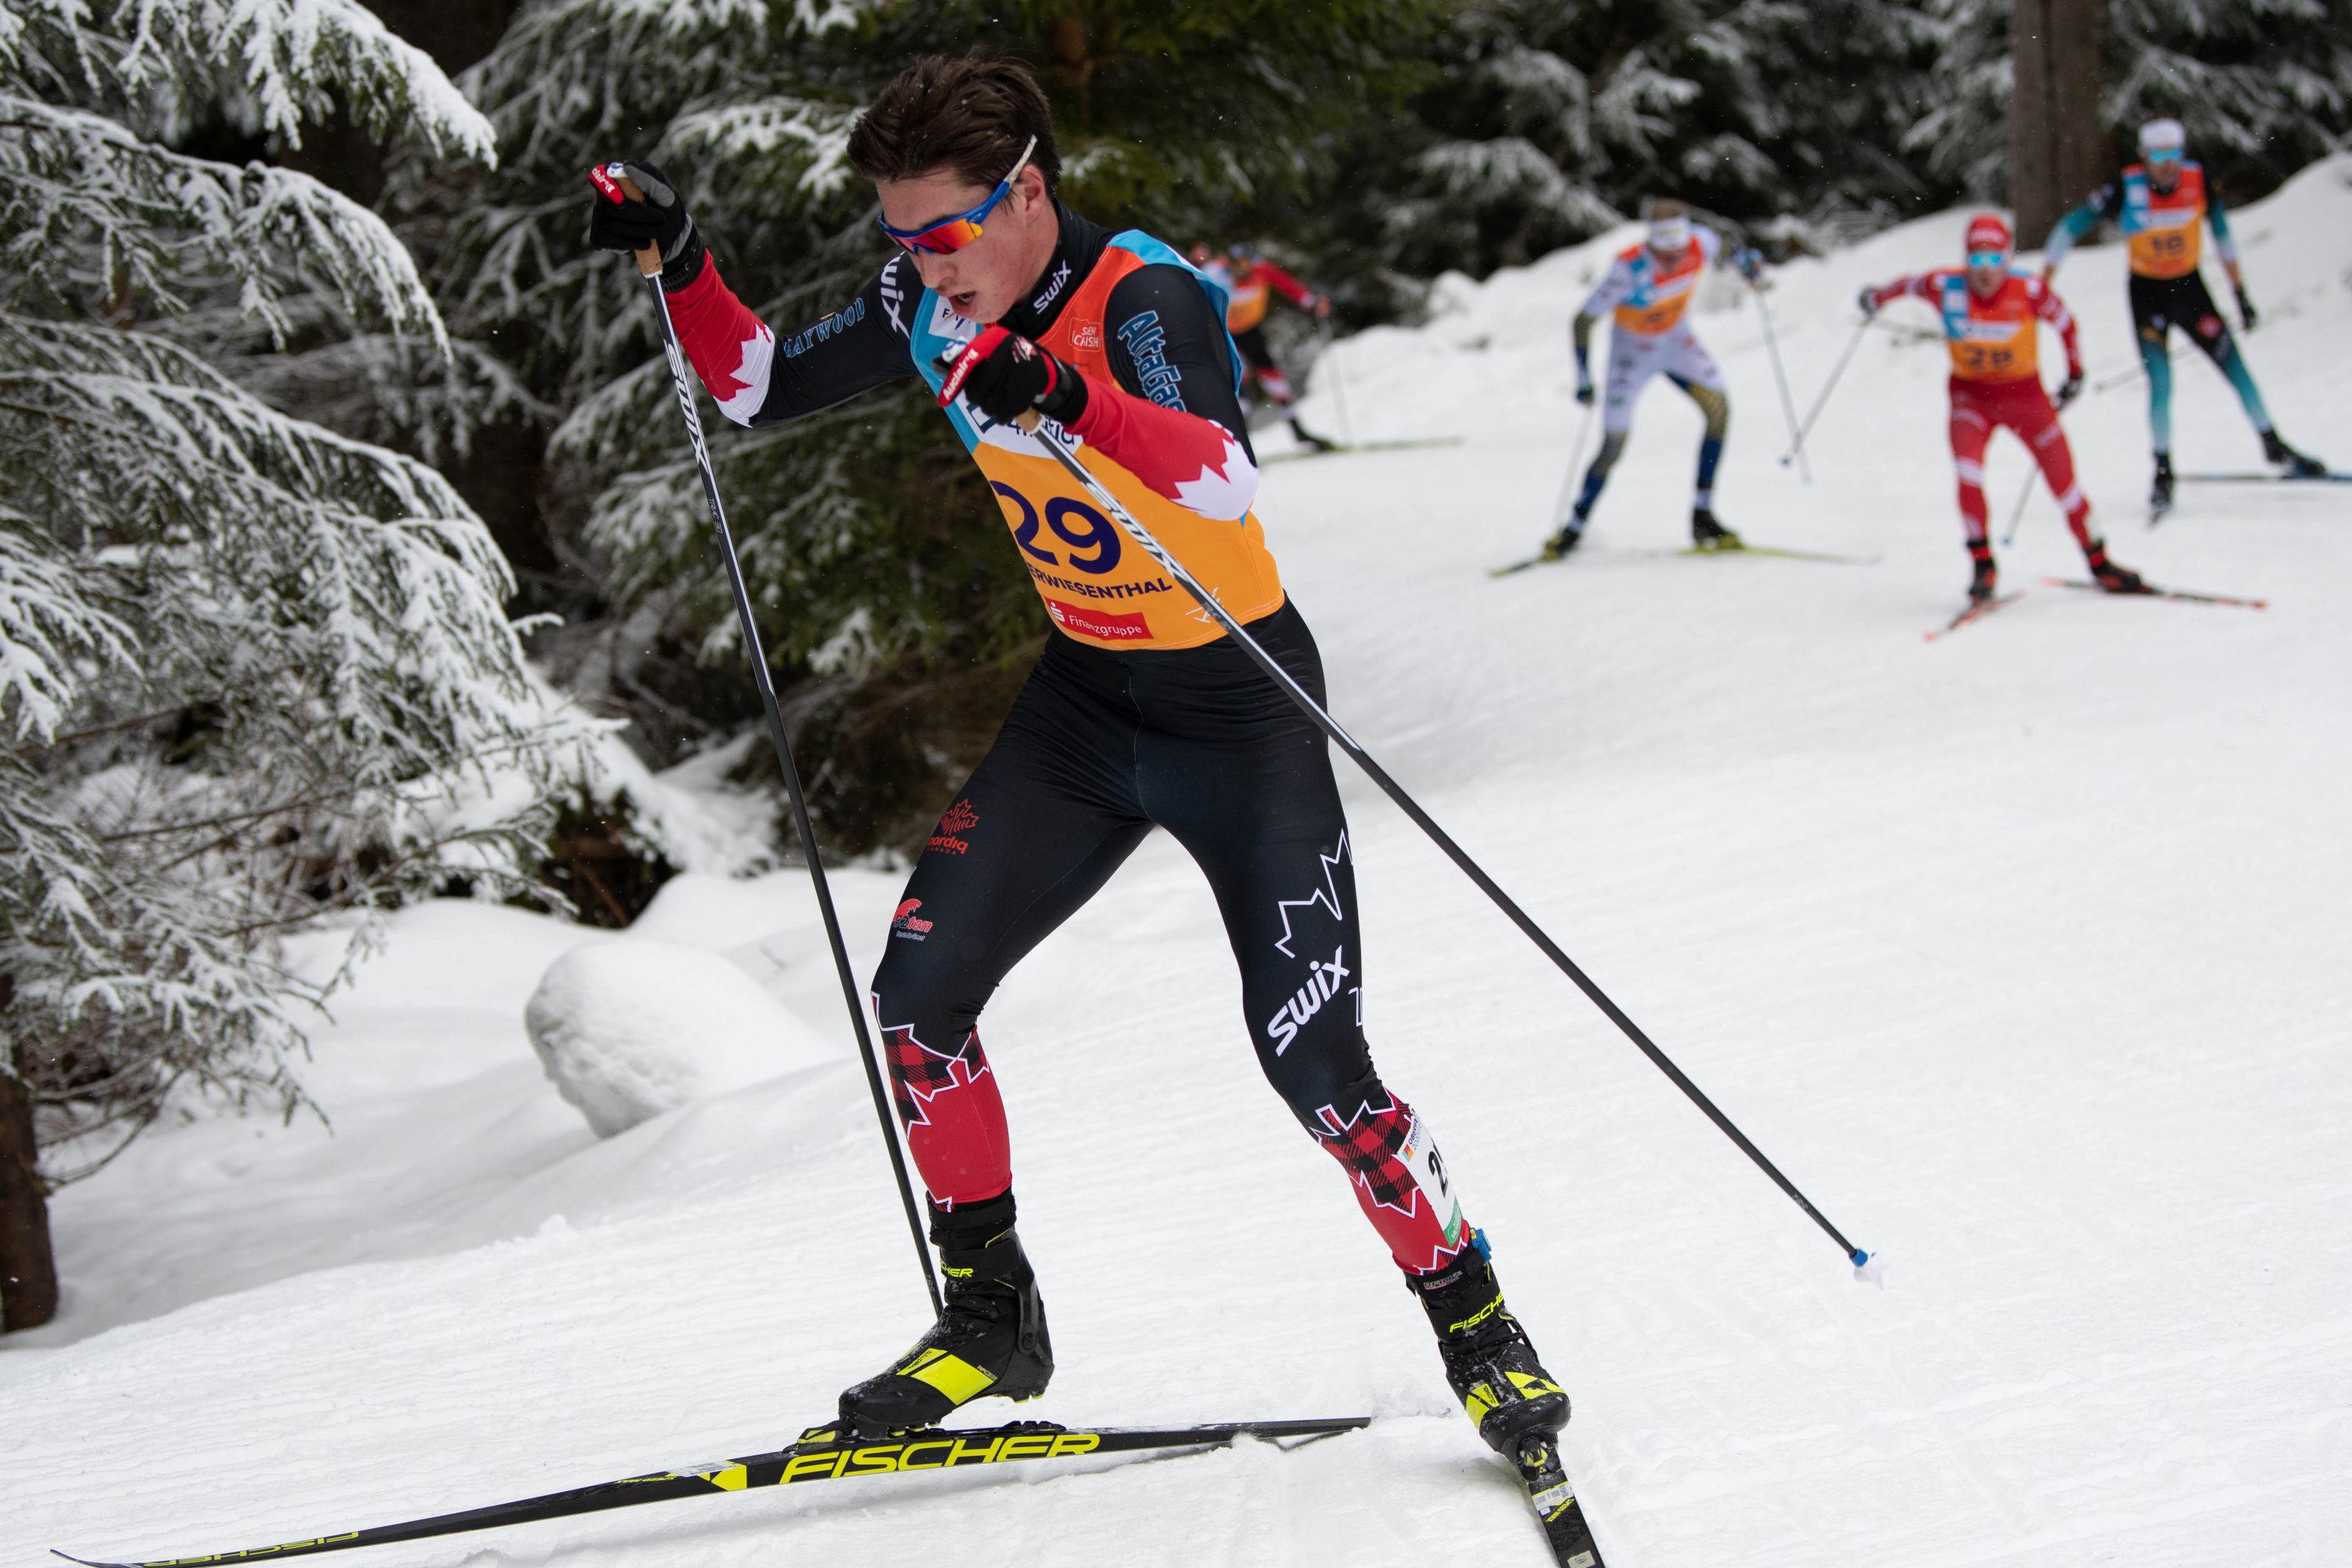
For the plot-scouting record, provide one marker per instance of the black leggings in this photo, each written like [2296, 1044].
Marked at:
[1101, 747]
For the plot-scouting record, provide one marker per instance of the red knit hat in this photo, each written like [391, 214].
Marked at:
[1989, 231]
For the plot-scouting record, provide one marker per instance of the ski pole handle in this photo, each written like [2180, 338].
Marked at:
[625, 189]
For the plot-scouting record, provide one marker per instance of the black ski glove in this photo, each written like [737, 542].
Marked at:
[2246, 311]
[1004, 374]
[2071, 389]
[661, 219]
[1869, 303]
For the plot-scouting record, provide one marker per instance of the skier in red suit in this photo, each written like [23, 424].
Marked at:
[1992, 314]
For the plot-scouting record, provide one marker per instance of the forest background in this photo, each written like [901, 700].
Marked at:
[338, 467]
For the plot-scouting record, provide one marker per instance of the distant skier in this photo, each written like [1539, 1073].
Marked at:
[1991, 313]
[1648, 289]
[1141, 713]
[2160, 203]
[1251, 283]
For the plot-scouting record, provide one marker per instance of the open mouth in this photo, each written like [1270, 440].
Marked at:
[961, 304]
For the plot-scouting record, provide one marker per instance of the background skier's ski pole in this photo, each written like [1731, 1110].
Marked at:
[1339, 388]
[1411, 808]
[1781, 379]
[1575, 457]
[1797, 447]
[649, 264]
[2017, 512]
[2116, 378]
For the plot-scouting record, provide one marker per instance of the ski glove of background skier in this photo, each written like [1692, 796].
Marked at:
[661, 219]
[1003, 375]
[2246, 309]
[2072, 389]
[1869, 303]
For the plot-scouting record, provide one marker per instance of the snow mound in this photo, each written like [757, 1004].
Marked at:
[630, 1028]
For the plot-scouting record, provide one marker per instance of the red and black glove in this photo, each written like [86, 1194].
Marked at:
[1003, 375]
[2072, 386]
[661, 220]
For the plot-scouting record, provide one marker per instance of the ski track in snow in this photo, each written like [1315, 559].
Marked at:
[2024, 953]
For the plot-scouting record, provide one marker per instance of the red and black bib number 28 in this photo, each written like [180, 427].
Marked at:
[1093, 538]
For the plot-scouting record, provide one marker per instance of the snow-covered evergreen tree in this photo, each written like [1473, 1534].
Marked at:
[1546, 120]
[2263, 86]
[251, 671]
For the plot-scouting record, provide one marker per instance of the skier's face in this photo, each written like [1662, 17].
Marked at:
[2163, 170]
[989, 274]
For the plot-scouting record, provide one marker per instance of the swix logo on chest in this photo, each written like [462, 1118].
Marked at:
[1053, 290]
[1323, 978]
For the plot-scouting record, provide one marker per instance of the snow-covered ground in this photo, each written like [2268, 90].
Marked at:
[2025, 954]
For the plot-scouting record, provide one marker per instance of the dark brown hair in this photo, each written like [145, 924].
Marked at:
[1664, 207]
[971, 113]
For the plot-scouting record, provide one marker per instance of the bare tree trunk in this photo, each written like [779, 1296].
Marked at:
[29, 1270]
[2058, 146]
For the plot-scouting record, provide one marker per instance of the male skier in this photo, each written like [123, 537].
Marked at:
[1251, 283]
[2161, 202]
[1648, 287]
[1140, 713]
[1991, 313]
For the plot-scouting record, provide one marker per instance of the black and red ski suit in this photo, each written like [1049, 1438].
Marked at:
[1106, 743]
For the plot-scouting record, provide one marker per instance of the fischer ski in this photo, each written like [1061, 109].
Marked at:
[1976, 612]
[820, 1455]
[1554, 1501]
[2151, 593]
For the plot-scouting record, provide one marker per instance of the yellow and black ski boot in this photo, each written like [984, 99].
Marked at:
[1488, 1360]
[990, 1341]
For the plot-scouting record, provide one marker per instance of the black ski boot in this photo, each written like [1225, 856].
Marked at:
[1708, 534]
[990, 1341]
[2297, 466]
[1987, 579]
[1570, 535]
[2115, 579]
[2160, 491]
[1510, 1398]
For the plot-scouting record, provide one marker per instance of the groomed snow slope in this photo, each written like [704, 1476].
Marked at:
[2025, 954]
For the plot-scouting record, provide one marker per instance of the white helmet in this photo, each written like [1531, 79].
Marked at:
[2162, 136]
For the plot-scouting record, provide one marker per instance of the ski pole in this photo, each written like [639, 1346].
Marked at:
[1797, 447]
[1032, 423]
[1338, 387]
[1781, 378]
[2017, 512]
[1575, 457]
[616, 186]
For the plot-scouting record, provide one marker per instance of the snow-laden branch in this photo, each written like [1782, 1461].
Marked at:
[80, 191]
[299, 59]
[46, 624]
